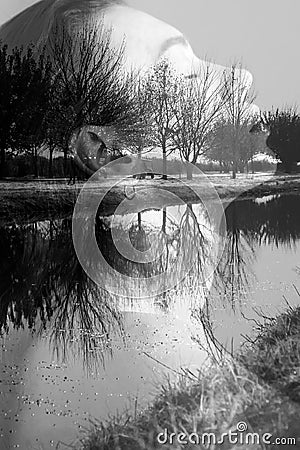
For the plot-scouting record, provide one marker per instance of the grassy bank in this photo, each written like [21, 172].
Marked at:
[23, 200]
[274, 355]
[260, 386]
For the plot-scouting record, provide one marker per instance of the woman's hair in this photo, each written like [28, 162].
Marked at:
[35, 24]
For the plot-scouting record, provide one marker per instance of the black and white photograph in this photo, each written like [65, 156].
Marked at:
[149, 224]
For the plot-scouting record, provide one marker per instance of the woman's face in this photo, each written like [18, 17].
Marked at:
[148, 39]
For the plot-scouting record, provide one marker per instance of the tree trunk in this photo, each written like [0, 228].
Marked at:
[139, 221]
[252, 165]
[33, 169]
[50, 167]
[35, 162]
[235, 163]
[164, 177]
[66, 151]
[2, 163]
[164, 222]
[189, 171]
[234, 169]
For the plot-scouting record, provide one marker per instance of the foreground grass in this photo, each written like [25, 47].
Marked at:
[274, 355]
[259, 386]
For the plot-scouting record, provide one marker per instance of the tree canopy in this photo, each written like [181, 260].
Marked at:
[284, 137]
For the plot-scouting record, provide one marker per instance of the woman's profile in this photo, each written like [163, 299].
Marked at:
[146, 39]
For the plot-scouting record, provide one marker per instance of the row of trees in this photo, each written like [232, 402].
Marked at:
[25, 90]
[282, 142]
[190, 116]
[213, 116]
[46, 94]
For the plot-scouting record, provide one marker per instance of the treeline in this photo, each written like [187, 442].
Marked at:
[47, 94]
[21, 166]
[176, 168]
[25, 94]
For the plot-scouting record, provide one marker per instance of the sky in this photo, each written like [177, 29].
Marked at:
[263, 34]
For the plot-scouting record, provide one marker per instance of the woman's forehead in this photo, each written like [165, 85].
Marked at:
[132, 24]
[146, 38]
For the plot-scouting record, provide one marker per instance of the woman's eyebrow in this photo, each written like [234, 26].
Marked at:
[170, 42]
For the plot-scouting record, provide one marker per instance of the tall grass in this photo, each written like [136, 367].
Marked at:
[259, 386]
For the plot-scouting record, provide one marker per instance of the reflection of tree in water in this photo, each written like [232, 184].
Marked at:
[143, 237]
[233, 274]
[273, 222]
[251, 224]
[207, 340]
[181, 247]
[44, 287]
[192, 242]
[196, 244]
[23, 283]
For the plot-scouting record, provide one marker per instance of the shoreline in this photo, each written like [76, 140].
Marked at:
[22, 201]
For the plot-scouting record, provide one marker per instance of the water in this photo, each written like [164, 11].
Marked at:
[70, 351]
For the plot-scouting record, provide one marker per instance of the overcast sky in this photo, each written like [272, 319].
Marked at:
[264, 34]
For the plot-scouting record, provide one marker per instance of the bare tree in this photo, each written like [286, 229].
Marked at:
[239, 109]
[197, 106]
[90, 87]
[160, 88]
[142, 137]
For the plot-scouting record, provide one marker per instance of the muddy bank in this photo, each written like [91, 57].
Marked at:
[40, 200]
